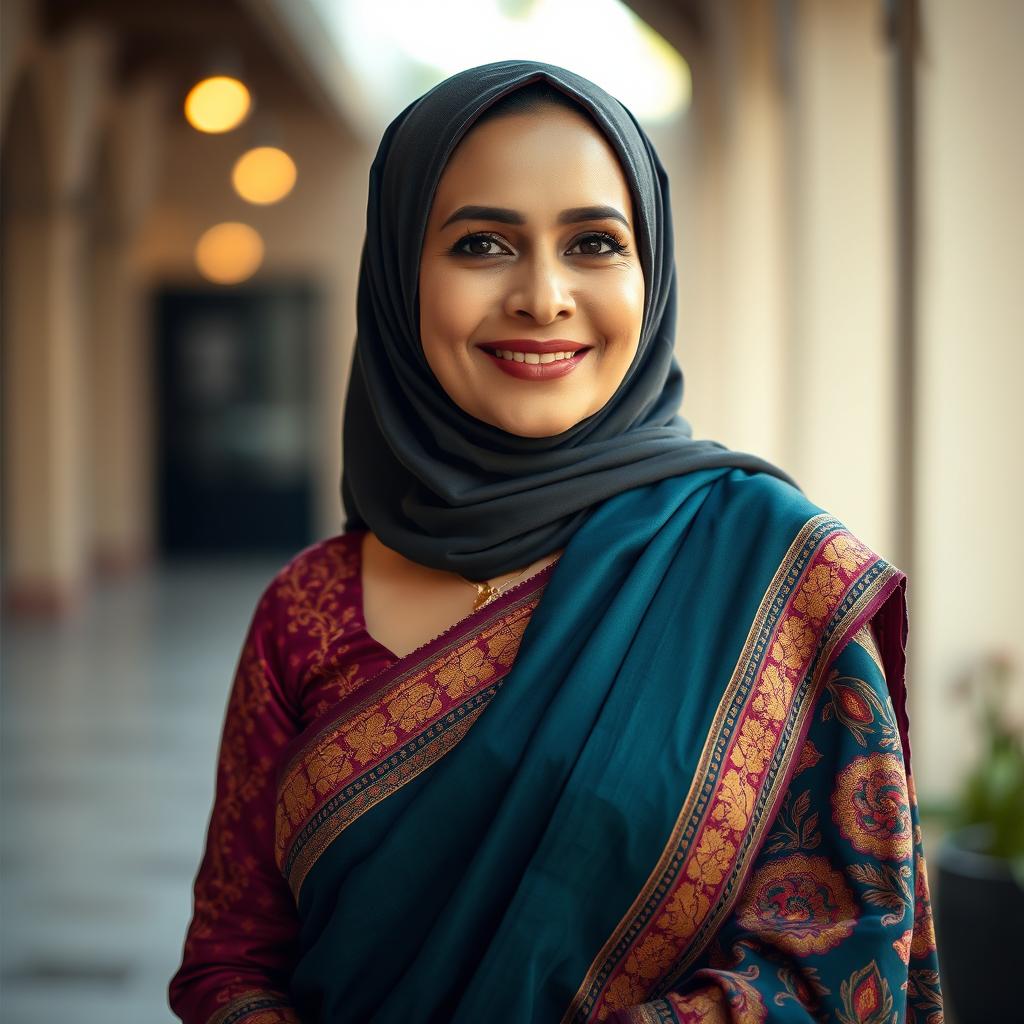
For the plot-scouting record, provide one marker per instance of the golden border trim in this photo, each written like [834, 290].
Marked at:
[712, 841]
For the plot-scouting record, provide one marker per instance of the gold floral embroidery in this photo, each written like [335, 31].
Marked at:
[923, 941]
[871, 806]
[242, 778]
[330, 768]
[794, 643]
[352, 754]
[465, 674]
[712, 857]
[866, 997]
[504, 644]
[800, 903]
[370, 736]
[818, 592]
[774, 694]
[414, 706]
[810, 755]
[752, 747]
[313, 590]
[735, 801]
[845, 552]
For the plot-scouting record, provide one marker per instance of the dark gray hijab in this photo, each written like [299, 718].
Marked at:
[438, 485]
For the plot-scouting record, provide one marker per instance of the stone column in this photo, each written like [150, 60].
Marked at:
[45, 438]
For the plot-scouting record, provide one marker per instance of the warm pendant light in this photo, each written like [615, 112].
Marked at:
[217, 104]
[264, 175]
[229, 253]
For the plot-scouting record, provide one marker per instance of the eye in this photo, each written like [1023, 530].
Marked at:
[598, 243]
[479, 244]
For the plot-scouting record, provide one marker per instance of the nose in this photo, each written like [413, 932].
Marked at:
[540, 292]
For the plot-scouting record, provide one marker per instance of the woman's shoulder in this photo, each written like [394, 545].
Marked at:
[319, 582]
[767, 504]
[333, 558]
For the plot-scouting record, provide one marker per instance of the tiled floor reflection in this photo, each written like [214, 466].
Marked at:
[108, 738]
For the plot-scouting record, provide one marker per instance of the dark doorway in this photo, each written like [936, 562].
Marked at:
[235, 426]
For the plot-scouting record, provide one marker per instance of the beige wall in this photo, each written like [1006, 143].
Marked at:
[970, 429]
[783, 196]
[784, 178]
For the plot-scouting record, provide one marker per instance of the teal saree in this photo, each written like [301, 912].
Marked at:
[665, 780]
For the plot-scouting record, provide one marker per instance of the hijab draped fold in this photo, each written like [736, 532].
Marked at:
[433, 482]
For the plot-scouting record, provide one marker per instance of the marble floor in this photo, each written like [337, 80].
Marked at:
[109, 725]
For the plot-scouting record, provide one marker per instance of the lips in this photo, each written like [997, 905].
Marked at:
[529, 364]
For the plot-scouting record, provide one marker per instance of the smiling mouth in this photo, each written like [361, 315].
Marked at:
[536, 366]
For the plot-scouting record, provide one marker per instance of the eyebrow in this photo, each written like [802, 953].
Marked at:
[505, 216]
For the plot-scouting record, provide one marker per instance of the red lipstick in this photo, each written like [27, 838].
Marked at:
[535, 370]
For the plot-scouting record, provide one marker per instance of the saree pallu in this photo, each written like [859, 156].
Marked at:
[664, 781]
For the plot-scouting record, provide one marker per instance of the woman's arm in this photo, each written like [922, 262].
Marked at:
[240, 946]
[834, 921]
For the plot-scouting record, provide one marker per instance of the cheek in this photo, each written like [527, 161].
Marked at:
[451, 304]
[619, 308]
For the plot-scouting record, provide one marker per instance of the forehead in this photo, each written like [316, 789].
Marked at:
[539, 162]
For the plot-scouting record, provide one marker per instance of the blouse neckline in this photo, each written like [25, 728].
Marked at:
[463, 624]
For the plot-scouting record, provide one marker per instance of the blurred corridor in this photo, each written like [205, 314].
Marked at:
[109, 729]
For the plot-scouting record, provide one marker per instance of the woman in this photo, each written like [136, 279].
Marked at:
[581, 719]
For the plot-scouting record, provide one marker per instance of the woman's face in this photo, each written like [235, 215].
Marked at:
[529, 255]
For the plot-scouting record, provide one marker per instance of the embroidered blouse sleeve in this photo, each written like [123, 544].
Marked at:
[241, 943]
[834, 921]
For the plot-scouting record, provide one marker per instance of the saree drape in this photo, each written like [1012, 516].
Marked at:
[666, 779]
[574, 835]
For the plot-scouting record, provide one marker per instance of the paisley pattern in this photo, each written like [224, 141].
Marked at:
[835, 920]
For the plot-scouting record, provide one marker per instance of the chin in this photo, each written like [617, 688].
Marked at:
[533, 426]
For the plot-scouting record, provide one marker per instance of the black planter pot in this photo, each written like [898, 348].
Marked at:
[979, 917]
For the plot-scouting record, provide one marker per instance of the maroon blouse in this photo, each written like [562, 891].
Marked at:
[307, 648]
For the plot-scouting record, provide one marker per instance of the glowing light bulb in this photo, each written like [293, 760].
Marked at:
[264, 175]
[229, 253]
[217, 104]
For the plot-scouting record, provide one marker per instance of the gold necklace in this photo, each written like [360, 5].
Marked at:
[485, 592]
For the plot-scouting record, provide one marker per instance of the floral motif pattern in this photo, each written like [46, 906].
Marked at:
[838, 875]
[871, 806]
[866, 997]
[802, 902]
[373, 748]
[861, 710]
